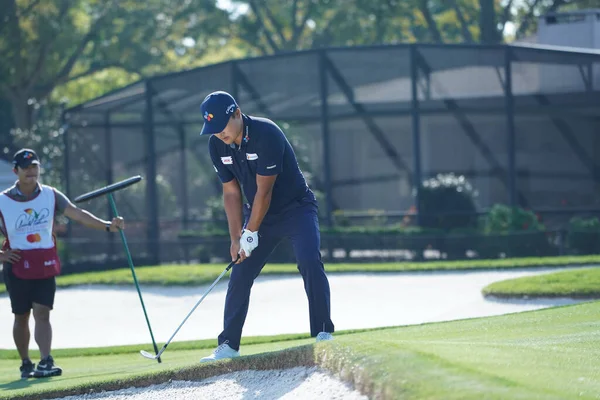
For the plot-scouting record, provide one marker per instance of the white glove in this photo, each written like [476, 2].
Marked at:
[248, 242]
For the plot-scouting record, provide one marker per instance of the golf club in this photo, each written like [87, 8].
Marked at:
[154, 357]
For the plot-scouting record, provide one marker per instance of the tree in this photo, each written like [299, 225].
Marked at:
[45, 44]
[273, 26]
[488, 26]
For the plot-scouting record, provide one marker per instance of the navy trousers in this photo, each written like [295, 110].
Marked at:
[301, 226]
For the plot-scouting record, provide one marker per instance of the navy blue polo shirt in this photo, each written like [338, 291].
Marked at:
[265, 151]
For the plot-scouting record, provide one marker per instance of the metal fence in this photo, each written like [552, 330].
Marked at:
[520, 122]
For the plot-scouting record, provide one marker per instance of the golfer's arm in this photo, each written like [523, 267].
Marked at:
[85, 217]
[262, 201]
[232, 201]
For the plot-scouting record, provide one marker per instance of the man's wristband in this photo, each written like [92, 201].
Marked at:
[107, 227]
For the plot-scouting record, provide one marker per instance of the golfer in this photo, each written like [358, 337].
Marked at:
[252, 154]
[30, 259]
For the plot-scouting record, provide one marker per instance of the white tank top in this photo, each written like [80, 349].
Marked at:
[29, 224]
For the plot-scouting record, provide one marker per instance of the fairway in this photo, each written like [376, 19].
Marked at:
[545, 354]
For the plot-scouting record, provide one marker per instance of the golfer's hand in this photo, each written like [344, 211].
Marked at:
[248, 242]
[235, 251]
[10, 256]
[116, 224]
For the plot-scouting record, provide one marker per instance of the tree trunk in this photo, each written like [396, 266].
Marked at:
[487, 22]
[21, 111]
[464, 27]
[434, 31]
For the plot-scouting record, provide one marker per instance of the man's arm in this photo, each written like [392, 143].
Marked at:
[232, 200]
[269, 166]
[88, 219]
[262, 201]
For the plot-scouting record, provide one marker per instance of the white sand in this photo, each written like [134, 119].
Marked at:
[295, 383]
[105, 316]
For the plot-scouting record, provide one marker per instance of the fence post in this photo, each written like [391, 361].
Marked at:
[416, 129]
[153, 234]
[324, 90]
[67, 179]
[510, 127]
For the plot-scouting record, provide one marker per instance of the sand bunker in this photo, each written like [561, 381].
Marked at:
[278, 306]
[294, 383]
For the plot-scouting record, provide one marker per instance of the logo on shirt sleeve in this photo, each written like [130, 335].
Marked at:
[271, 166]
[251, 156]
[227, 160]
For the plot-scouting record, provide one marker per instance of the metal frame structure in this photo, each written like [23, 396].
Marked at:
[159, 110]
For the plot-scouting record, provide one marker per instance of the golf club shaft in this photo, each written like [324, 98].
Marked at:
[197, 304]
[130, 261]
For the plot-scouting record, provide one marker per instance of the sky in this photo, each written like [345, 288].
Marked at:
[230, 6]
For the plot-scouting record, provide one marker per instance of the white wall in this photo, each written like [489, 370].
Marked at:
[572, 29]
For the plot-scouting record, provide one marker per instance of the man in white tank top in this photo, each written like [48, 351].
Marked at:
[29, 256]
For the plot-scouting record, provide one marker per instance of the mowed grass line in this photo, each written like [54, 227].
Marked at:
[544, 354]
[199, 274]
[548, 354]
[580, 283]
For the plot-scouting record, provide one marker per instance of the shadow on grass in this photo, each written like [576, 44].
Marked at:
[23, 383]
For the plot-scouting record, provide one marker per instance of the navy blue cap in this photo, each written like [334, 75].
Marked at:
[24, 158]
[216, 110]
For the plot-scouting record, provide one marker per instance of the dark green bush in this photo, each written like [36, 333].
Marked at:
[447, 203]
[505, 219]
[584, 235]
[502, 232]
[514, 232]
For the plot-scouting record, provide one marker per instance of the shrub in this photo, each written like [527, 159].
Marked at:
[447, 202]
[584, 235]
[505, 219]
[514, 232]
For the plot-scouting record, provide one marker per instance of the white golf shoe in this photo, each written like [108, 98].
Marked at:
[322, 336]
[221, 352]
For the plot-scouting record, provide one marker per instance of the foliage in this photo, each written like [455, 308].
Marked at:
[516, 232]
[273, 26]
[45, 137]
[48, 44]
[447, 202]
[505, 219]
[584, 235]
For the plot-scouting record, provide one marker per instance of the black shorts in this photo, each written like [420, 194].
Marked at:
[24, 292]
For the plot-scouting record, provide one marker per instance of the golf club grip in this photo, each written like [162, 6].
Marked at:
[108, 189]
[231, 264]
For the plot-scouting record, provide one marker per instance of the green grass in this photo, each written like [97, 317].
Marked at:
[188, 275]
[546, 354]
[579, 283]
